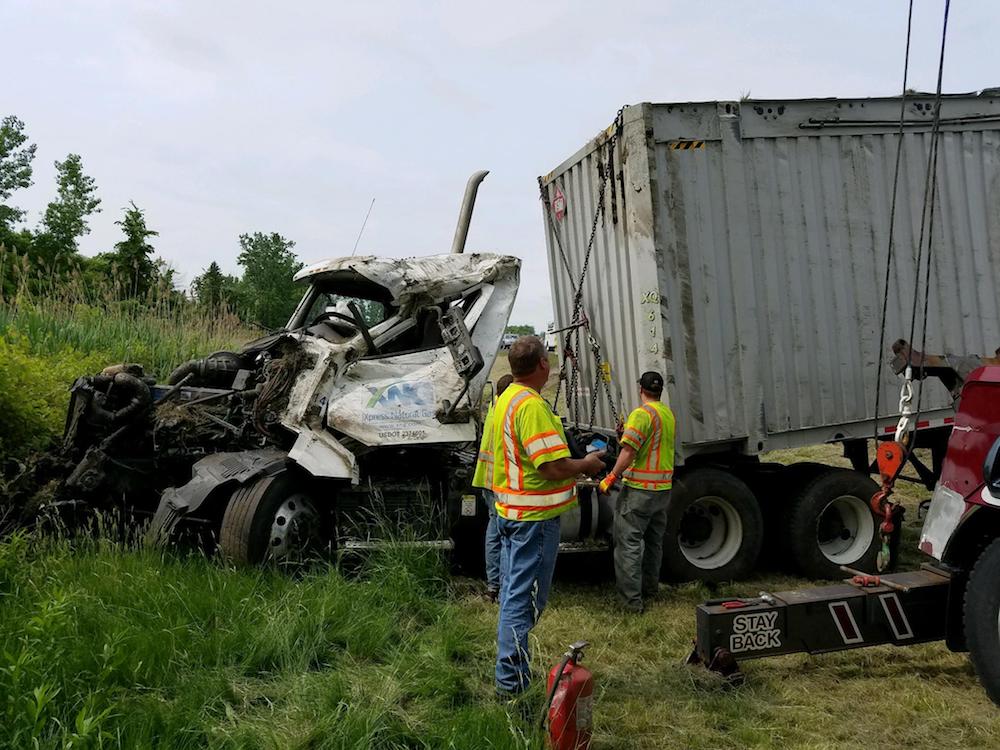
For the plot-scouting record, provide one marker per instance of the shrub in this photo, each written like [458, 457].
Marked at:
[34, 392]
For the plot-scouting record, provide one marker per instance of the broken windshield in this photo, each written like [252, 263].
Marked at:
[329, 307]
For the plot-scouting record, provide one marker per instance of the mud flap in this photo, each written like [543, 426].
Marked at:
[209, 474]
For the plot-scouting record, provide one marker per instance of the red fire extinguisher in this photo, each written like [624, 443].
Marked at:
[570, 706]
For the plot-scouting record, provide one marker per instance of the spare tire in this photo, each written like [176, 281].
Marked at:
[714, 528]
[830, 523]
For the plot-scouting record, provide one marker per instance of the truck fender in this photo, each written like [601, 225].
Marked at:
[211, 473]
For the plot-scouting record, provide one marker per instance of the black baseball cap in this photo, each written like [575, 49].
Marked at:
[651, 382]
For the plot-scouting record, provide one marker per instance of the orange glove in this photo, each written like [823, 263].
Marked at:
[607, 483]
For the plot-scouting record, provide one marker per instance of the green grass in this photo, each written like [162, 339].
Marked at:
[109, 645]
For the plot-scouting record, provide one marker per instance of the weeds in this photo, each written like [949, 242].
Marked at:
[109, 644]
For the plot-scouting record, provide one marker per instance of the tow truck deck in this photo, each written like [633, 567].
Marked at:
[899, 609]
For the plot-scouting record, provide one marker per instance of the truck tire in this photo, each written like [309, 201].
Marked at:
[714, 528]
[775, 486]
[269, 520]
[982, 619]
[830, 524]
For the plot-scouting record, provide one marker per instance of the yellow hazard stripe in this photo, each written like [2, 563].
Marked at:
[686, 145]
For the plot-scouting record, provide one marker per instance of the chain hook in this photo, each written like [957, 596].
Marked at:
[905, 424]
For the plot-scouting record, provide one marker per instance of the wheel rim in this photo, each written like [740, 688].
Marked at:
[711, 533]
[294, 530]
[844, 530]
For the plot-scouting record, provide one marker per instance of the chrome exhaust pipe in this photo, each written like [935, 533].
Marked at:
[465, 215]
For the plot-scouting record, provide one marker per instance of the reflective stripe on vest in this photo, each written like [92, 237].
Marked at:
[539, 445]
[654, 444]
[646, 476]
[511, 456]
[633, 435]
[514, 505]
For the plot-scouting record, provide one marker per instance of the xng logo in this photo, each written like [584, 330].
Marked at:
[401, 393]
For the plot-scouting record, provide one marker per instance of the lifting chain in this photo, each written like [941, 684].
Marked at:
[600, 381]
[571, 351]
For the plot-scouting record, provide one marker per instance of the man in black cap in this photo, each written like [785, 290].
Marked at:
[646, 467]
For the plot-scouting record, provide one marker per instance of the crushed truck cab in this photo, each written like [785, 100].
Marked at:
[359, 418]
[362, 411]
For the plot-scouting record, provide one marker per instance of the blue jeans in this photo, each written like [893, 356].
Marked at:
[528, 552]
[492, 544]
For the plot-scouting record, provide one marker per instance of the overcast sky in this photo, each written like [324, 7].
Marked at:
[218, 118]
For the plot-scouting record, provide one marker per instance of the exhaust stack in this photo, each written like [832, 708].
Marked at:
[465, 215]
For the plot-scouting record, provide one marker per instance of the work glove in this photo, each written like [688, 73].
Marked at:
[607, 483]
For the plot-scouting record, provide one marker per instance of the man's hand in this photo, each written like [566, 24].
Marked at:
[607, 483]
[567, 468]
[592, 463]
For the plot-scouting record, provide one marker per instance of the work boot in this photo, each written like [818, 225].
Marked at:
[632, 609]
[492, 594]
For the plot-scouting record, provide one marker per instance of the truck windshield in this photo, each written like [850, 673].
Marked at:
[329, 307]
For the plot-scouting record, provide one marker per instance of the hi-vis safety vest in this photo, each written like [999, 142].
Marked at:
[483, 476]
[650, 431]
[526, 434]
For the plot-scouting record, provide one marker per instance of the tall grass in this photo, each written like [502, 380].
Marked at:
[109, 645]
[55, 327]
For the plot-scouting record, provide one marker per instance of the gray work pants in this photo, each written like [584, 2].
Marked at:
[640, 520]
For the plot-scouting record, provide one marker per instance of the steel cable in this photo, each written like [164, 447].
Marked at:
[892, 222]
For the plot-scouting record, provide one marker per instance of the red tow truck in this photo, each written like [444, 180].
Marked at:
[954, 596]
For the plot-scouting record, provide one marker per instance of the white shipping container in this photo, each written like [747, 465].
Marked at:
[741, 252]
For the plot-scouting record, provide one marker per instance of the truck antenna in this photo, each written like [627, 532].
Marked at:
[363, 225]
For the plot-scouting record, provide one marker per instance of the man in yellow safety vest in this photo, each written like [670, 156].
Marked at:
[646, 466]
[483, 478]
[534, 481]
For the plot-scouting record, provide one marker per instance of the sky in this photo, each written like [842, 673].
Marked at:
[223, 117]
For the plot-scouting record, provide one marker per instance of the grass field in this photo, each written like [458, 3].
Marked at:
[106, 644]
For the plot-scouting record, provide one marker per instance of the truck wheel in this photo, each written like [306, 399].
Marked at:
[714, 528]
[831, 524]
[982, 619]
[270, 519]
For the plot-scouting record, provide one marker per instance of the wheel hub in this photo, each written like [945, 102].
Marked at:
[711, 532]
[845, 529]
[294, 529]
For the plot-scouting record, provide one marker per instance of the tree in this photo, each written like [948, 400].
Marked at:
[207, 288]
[15, 168]
[130, 261]
[66, 217]
[269, 293]
[521, 330]
[214, 290]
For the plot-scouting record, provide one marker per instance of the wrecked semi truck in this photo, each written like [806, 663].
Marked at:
[361, 414]
[740, 248]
